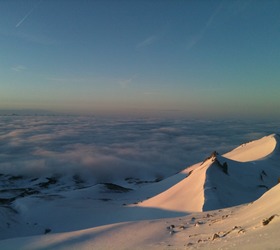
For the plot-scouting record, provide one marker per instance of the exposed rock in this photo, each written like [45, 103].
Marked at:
[116, 188]
[268, 220]
[215, 236]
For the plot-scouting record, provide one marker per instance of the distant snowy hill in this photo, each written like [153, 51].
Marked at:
[67, 212]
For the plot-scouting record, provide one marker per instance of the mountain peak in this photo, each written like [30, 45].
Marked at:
[224, 180]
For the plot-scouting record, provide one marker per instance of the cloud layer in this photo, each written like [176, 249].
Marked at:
[110, 149]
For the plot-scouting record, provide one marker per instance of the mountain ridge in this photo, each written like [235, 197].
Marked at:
[220, 181]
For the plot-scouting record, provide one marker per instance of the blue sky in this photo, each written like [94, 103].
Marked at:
[190, 58]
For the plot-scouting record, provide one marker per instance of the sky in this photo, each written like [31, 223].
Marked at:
[182, 58]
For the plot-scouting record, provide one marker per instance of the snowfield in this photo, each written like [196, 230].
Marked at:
[228, 201]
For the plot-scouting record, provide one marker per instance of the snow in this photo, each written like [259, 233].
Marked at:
[219, 203]
[180, 197]
[255, 150]
[208, 187]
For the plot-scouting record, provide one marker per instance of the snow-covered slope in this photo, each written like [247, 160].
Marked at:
[255, 150]
[67, 213]
[255, 226]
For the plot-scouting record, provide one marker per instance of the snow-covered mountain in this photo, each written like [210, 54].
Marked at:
[237, 177]
[62, 212]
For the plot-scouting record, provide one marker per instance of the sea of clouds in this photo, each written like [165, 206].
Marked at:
[108, 149]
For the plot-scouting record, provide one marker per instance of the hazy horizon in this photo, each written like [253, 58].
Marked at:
[167, 58]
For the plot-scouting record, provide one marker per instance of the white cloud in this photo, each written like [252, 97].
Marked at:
[200, 34]
[115, 149]
[148, 41]
[124, 83]
[19, 68]
[27, 14]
